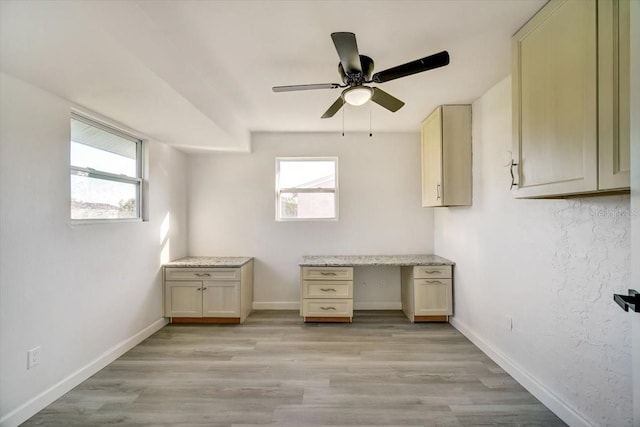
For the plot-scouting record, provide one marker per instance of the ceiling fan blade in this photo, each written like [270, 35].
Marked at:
[335, 107]
[385, 100]
[348, 52]
[436, 60]
[305, 87]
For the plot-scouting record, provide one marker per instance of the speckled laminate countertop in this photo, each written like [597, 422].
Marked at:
[209, 261]
[364, 260]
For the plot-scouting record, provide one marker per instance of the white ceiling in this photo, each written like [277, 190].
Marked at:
[198, 74]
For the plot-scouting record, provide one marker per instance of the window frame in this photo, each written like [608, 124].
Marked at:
[138, 181]
[279, 191]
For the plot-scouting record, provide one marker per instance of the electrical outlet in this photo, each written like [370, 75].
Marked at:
[33, 357]
[509, 323]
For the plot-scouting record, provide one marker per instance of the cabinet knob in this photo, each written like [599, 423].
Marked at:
[204, 289]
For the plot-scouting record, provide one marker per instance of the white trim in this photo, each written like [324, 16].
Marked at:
[333, 190]
[81, 222]
[377, 305]
[105, 125]
[105, 175]
[559, 407]
[41, 401]
[276, 305]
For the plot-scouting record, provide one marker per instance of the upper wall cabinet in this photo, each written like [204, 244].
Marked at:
[446, 157]
[614, 144]
[570, 99]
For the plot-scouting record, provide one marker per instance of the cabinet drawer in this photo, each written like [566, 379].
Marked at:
[327, 289]
[327, 273]
[327, 308]
[202, 274]
[440, 282]
[432, 271]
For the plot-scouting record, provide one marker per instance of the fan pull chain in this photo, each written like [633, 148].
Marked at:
[343, 120]
[370, 131]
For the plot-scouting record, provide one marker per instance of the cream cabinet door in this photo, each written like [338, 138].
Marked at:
[183, 299]
[432, 297]
[220, 299]
[613, 94]
[432, 159]
[446, 157]
[555, 120]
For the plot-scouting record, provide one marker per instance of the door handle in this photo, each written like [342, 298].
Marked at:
[631, 301]
[513, 178]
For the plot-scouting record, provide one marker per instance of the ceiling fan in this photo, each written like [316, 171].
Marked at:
[356, 69]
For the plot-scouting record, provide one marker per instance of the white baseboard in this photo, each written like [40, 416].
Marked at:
[41, 401]
[563, 410]
[377, 305]
[276, 305]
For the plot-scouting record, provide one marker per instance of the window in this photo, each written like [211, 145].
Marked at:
[306, 188]
[106, 172]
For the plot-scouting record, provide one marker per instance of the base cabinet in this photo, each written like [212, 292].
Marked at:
[427, 293]
[208, 295]
[326, 294]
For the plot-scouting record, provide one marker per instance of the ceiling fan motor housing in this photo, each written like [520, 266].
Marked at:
[354, 79]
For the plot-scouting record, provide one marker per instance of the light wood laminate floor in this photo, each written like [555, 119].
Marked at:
[381, 370]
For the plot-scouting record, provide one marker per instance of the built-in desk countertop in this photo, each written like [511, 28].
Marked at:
[209, 261]
[366, 260]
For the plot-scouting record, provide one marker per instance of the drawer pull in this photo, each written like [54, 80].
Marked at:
[327, 290]
[204, 289]
[203, 274]
[432, 271]
[199, 289]
[434, 281]
[327, 308]
[327, 273]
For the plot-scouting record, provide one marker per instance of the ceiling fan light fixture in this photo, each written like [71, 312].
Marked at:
[357, 95]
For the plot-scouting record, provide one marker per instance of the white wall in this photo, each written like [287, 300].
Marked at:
[551, 265]
[232, 210]
[84, 294]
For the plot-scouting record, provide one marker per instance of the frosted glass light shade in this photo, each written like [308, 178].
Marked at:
[357, 95]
